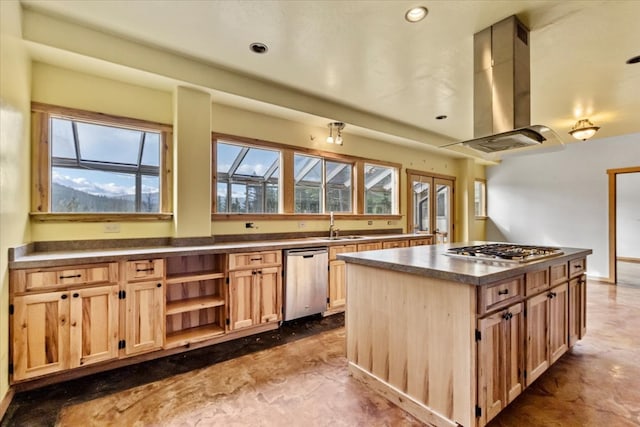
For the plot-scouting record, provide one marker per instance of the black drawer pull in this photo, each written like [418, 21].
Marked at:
[159, 285]
[256, 259]
[144, 269]
[577, 267]
[64, 296]
[503, 292]
[551, 295]
[76, 295]
[507, 316]
[73, 276]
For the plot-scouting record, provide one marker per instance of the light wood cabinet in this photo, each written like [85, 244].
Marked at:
[337, 292]
[547, 330]
[195, 298]
[577, 309]
[55, 331]
[500, 360]
[395, 244]
[255, 289]
[421, 241]
[144, 317]
[370, 246]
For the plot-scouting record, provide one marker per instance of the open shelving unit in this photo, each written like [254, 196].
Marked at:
[195, 300]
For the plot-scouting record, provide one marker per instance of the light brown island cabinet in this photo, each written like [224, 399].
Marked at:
[144, 306]
[255, 289]
[53, 331]
[444, 340]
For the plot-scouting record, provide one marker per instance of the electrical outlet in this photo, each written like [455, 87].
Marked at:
[111, 227]
[369, 222]
[302, 224]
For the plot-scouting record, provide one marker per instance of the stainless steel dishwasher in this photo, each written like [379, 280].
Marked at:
[305, 288]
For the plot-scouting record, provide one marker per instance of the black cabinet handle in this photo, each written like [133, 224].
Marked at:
[64, 296]
[159, 285]
[73, 276]
[551, 295]
[76, 295]
[507, 316]
[256, 259]
[144, 269]
[577, 267]
[503, 292]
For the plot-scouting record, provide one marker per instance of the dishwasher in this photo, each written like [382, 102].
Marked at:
[306, 281]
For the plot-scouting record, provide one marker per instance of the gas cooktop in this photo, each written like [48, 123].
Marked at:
[504, 252]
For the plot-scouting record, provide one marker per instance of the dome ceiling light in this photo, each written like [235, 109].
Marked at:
[416, 14]
[583, 129]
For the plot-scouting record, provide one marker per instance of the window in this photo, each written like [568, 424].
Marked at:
[96, 163]
[380, 189]
[247, 179]
[314, 174]
[430, 204]
[480, 198]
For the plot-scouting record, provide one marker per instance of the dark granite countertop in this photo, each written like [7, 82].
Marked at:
[85, 256]
[431, 261]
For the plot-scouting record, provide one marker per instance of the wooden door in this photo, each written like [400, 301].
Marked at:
[337, 284]
[40, 334]
[514, 352]
[269, 298]
[93, 316]
[537, 336]
[241, 298]
[491, 381]
[558, 322]
[144, 320]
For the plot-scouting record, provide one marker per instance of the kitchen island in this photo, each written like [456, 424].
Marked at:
[446, 338]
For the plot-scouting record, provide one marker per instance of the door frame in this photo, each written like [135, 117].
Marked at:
[434, 177]
[613, 173]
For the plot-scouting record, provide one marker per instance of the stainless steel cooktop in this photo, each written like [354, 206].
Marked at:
[504, 252]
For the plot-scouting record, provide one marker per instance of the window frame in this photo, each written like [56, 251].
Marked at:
[395, 202]
[42, 163]
[483, 198]
[287, 176]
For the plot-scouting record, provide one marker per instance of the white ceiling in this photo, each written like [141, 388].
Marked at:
[365, 55]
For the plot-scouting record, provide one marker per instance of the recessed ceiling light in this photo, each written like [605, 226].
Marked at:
[258, 48]
[441, 117]
[633, 60]
[416, 14]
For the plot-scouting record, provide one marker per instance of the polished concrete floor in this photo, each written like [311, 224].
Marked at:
[297, 376]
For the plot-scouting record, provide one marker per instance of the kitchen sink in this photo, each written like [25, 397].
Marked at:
[343, 238]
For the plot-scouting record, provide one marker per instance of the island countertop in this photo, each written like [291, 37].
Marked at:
[432, 261]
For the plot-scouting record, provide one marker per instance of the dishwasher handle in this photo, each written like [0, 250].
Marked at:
[305, 252]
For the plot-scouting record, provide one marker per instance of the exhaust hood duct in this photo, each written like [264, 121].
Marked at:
[501, 96]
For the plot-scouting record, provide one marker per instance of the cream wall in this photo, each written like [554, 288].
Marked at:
[15, 71]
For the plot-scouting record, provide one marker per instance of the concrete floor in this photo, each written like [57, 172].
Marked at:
[296, 376]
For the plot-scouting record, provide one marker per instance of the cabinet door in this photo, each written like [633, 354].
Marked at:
[490, 378]
[558, 322]
[337, 284]
[93, 319]
[583, 306]
[574, 311]
[241, 296]
[40, 334]
[537, 336]
[500, 360]
[269, 298]
[144, 320]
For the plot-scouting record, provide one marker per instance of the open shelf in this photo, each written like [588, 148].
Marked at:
[186, 336]
[193, 277]
[191, 304]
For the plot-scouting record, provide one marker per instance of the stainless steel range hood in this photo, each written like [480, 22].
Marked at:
[501, 98]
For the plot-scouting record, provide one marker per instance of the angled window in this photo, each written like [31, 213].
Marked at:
[99, 164]
[248, 178]
[380, 189]
[339, 186]
[322, 185]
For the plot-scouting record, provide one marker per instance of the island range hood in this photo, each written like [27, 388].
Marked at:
[501, 98]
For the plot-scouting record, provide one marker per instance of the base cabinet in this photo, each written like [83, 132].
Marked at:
[577, 309]
[255, 294]
[500, 360]
[144, 319]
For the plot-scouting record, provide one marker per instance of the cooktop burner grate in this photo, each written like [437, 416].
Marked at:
[504, 252]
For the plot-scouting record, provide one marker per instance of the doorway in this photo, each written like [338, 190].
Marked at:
[624, 248]
[430, 205]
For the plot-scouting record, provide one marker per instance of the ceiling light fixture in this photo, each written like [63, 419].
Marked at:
[416, 14]
[583, 129]
[337, 127]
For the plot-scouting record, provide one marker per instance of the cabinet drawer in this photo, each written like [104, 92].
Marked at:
[577, 267]
[396, 244]
[559, 273]
[335, 250]
[145, 269]
[253, 259]
[537, 282]
[42, 279]
[421, 242]
[501, 294]
[369, 246]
